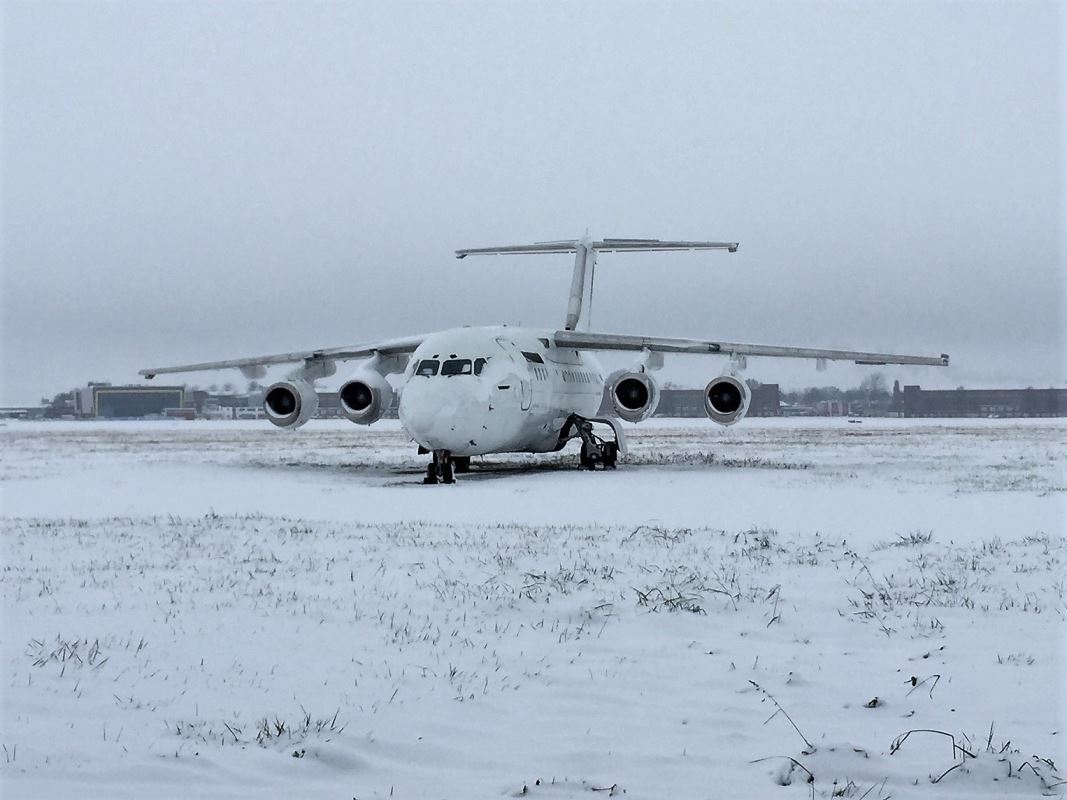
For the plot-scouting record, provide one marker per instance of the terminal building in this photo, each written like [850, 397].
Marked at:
[914, 401]
[766, 402]
[104, 401]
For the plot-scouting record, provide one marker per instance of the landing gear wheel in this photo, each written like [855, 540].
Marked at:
[462, 464]
[440, 469]
[431, 474]
[595, 449]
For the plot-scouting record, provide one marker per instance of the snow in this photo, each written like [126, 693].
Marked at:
[217, 609]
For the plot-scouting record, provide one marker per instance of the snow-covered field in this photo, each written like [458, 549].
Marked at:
[227, 610]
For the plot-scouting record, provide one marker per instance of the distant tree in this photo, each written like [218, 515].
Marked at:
[60, 405]
[874, 384]
[815, 394]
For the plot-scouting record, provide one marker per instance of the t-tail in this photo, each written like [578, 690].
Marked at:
[585, 250]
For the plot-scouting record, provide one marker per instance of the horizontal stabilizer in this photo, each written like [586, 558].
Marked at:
[603, 246]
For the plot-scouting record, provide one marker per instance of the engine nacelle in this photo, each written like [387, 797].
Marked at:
[726, 399]
[634, 396]
[289, 404]
[365, 397]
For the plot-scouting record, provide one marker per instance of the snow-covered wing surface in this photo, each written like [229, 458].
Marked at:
[617, 341]
[386, 348]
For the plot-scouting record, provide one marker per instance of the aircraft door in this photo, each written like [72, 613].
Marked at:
[525, 386]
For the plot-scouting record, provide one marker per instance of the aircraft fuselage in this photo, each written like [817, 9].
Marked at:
[472, 391]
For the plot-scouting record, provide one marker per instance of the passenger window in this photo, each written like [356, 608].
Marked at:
[428, 367]
[479, 365]
[457, 366]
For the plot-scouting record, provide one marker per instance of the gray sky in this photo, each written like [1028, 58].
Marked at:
[187, 181]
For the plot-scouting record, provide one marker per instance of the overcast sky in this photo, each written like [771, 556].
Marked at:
[187, 181]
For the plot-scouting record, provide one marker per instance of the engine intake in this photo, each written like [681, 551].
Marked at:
[726, 399]
[289, 404]
[634, 396]
[365, 397]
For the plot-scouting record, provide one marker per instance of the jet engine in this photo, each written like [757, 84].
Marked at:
[365, 397]
[634, 396]
[726, 399]
[289, 404]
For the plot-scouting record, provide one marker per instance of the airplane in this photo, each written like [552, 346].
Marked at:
[474, 391]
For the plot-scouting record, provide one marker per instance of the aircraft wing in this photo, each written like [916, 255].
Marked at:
[390, 347]
[617, 341]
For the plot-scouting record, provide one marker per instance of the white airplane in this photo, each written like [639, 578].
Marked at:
[477, 390]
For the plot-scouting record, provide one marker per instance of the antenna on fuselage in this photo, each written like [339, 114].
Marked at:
[585, 253]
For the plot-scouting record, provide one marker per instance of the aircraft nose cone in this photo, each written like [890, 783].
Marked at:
[444, 413]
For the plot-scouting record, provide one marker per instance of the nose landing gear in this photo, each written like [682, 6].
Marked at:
[440, 470]
[445, 466]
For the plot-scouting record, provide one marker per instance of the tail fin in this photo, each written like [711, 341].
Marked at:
[586, 251]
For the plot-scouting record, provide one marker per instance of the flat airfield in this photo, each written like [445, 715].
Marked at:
[781, 608]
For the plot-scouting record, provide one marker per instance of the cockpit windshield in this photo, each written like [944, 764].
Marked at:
[427, 367]
[457, 366]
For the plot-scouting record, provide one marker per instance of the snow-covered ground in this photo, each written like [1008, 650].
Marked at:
[201, 609]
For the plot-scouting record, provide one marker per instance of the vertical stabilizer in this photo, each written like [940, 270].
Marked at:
[584, 256]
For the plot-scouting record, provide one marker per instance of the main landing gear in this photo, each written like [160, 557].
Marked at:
[595, 448]
[444, 467]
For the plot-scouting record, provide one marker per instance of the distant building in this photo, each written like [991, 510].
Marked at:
[831, 408]
[690, 402]
[329, 405]
[797, 410]
[250, 405]
[104, 401]
[914, 401]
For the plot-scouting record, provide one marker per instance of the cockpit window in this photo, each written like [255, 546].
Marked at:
[457, 366]
[479, 365]
[533, 357]
[428, 367]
